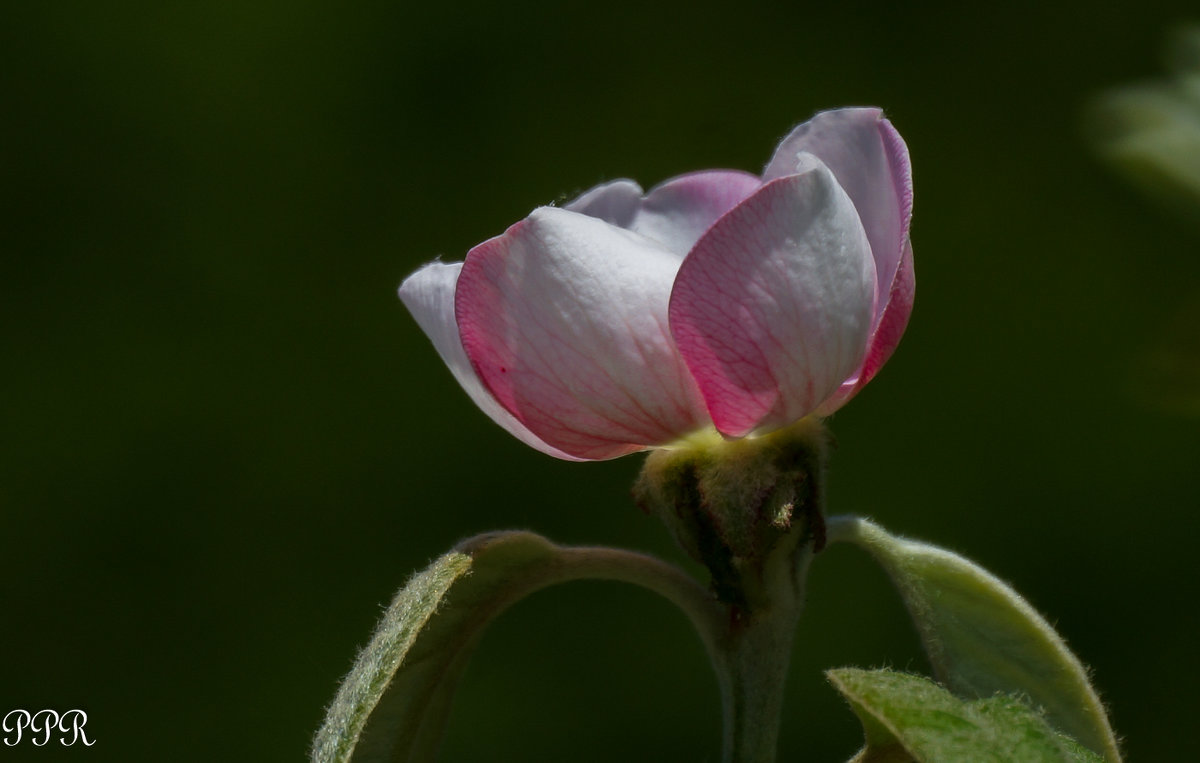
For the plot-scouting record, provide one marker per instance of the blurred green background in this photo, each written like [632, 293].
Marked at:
[226, 444]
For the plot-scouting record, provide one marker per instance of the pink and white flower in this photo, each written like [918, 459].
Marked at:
[625, 321]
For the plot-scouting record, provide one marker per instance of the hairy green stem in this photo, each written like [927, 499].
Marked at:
[753, 658]
[847, 528]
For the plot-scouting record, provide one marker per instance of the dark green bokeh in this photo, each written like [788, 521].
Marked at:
[226, 444]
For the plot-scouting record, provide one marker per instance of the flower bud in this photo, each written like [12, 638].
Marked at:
[742, 508]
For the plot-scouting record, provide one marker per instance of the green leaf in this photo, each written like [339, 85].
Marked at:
[909, 718]
[982, 638]
[1151, 131]
[394, 703]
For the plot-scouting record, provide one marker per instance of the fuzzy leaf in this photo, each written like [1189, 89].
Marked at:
[982, 638]
[394, 703]
[909, 718]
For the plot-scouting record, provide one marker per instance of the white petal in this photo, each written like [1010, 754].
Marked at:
[564, 318]
[615, 202]
[772, 308]
[429, 296]
[676, 212]
[870, 161]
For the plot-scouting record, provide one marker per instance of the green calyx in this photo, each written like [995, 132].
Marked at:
[737, 505]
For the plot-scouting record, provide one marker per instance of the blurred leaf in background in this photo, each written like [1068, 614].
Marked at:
[1150, 132]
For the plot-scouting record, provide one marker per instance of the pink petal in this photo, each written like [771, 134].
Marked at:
[870, 161]
[564, 317]
[615, 202]
[429, 296]
[772, 308]
[887, 334]
[676, 212]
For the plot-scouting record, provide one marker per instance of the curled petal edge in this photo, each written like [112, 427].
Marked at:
[886, 337]
[773, 307]
[429, 296]
[564, 319]
[871, 162]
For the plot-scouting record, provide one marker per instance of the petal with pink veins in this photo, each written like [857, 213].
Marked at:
[870, 161]
[615, 202]
[564, 318]
[772, 308]
[429, 296]
[677, 212]
[886, 336]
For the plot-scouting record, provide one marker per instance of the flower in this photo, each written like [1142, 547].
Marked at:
[625, 321]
